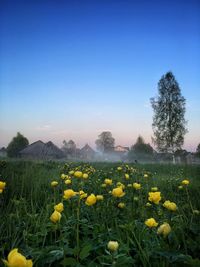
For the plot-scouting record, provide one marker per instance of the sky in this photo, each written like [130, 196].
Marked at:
[72, 69]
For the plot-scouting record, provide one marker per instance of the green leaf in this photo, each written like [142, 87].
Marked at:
[85, 251]
[68, 262]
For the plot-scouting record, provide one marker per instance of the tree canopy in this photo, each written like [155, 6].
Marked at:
[169, 125]
[198, 150]
[105, 142]
[16, 145]
[140, 150]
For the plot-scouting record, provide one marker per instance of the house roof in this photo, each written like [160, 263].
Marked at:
[35, 148]
[3, 149]
[40, 148]
[87, 149]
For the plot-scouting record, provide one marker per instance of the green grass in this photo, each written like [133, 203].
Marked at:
[28, 201]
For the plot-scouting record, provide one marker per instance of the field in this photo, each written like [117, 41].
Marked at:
[118, 211]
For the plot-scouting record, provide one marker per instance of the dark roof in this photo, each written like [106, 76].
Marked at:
[3, 149]
[41, 149]
[87, 149]
[36, 148]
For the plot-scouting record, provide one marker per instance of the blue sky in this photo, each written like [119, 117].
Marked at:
[72, 69]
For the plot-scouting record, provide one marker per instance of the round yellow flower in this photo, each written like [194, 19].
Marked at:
[119, 184]
[151, 223]
[118, 192]
[170, 205]
[113, 245]
[91, 200]
[85, 176]
[136, 186]
[164, 229]
[126, 176]
[71, 172]
[78, 174]
[16, 259]
[180, 187]
[59, 207]
[185, 182]
[119, 168]
[69, 193]
[146, 175]
[55, 216]
[129, 185]
[103, 185]
[68, 181]
[121, 205]
[108, 181]
[99, 197]
[54, 183]
[154, 197]
[63, 176]
[2, 185]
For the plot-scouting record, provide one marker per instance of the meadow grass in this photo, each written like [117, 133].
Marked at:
[81, 236]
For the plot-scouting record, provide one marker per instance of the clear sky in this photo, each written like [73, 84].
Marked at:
[72, 69]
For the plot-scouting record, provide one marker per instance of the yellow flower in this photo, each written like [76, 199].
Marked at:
[99, 197]
[82, 194]
[154, 189]
[164, 229]
[1, 191]
[119, 168]
[170, 205]
[55, 216]
[69, 193]
[120, 185]
[126, 176]
[63, 176]
[180, 187]
[185, 182]
[121, 205]
[154, 197]
[136, 186]
[59, 207]
[54, 183]
[16, 259]
[91, 200]
[108, 181]
[129, 185]
[71, 172]
[78, 174]
[103, 185]
[118, 192]
[113, 245]
[151, 222]
[68, 181]
[2, 185]
[146, 175]
[85, 176]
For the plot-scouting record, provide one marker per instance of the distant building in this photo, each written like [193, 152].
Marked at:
[40, 150]
[3, 152]
[123, 149]
[87, 153]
